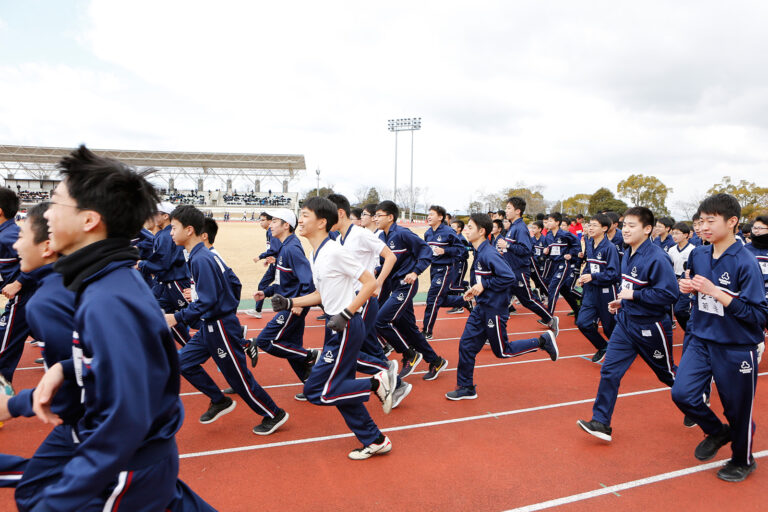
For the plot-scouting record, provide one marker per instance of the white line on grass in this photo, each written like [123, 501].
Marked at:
[626, 485]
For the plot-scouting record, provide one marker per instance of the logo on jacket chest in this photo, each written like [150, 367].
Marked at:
[634, 272]
[599, 255]
[725, 279]
[392, 244]
[439, 238]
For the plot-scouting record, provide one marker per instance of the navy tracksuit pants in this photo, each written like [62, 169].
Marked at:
[170, 295]
[222, 339]
[438, 295]
[594, 308]
[521, 289]
[560, 282]
[371, 359]
[333, 382]
[11, 469]
[487, 325]
[652, 341]
[396, 322]
[734, 368]
[13, 333]
[283, 337]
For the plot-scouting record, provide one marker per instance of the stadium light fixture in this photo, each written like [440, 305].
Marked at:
[406, 124]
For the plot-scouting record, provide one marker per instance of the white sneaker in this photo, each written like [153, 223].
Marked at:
[400, 393]
[385, 390]
[253, 313]
[366, 452]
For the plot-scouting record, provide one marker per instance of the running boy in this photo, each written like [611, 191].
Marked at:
[517, 249]
[679, 255]
[727, 322]
[216, 296]
[283, 336]
[643, 327]
[563, 247]
[396, 322]
[332, 380]
[599, 280]
[446, 249]
[124, 358]
[268, 256]
[488, 319]
[168, 264]
[16, 287]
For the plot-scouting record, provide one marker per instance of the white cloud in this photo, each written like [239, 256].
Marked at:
[570, 95]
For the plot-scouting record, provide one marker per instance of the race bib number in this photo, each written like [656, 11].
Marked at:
[763, 267]
[594, 268]
[626, 285]
[555, 251]
[478, 280]
[537, 250]
[708, 304]
[434, 250]
[194, 292]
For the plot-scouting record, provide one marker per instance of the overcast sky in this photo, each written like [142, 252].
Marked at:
[568, 95]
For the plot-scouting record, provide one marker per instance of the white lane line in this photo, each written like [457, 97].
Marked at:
[627, 485]
[418, 425]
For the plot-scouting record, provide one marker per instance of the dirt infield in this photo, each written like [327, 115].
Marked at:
[239, 242]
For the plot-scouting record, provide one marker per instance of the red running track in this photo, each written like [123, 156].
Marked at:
[517, 445]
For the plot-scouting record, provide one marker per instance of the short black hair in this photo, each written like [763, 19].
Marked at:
[518, 203]
[696, 216]
[539, 223]
[323, 208]
[266, 215]
[122, 196]
[37, 222]
[210, 228]
[389, 207]
[357, 212]
[461, 222]
[682, 227]
[499, 223]
[438, 210]
[603, 219]
[761, 218]
[370, 208]
[643, 214]
[668, 222]
[501, 212]
[341, 202]
[482, 221]
[555, 216]
[579, 216]
[724, 205]
[613, 216]
[188, 215]
[540, 216]
[9, 202]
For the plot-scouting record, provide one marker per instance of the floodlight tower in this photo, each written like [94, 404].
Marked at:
[317, 190]
[410, 124]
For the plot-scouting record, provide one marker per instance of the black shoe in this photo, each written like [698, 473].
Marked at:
[301, 397]
[597, 429]
[217, 409]
[309, 363]
[599, 355]
[387, 348]
[457, 309]
[39, 360]
[411, 359]
[709, 446]
[252, 351]
[269, 425]
[427, 335]
[435, 369]
[688, 422]
[548, 344]
[734, 473]
[229, 391]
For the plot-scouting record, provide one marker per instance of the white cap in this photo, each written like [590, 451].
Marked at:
[165, 207]
[286, 215]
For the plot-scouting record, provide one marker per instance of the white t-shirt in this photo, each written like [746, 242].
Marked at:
[365, 246]
[679, 257]
[335, 272]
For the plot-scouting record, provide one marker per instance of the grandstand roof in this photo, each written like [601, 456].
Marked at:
[39, 162]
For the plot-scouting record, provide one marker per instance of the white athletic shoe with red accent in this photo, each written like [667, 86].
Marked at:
[366, 452]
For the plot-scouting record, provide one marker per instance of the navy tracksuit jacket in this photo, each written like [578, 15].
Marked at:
[518, 256]
[442, 272]
[602, 263]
